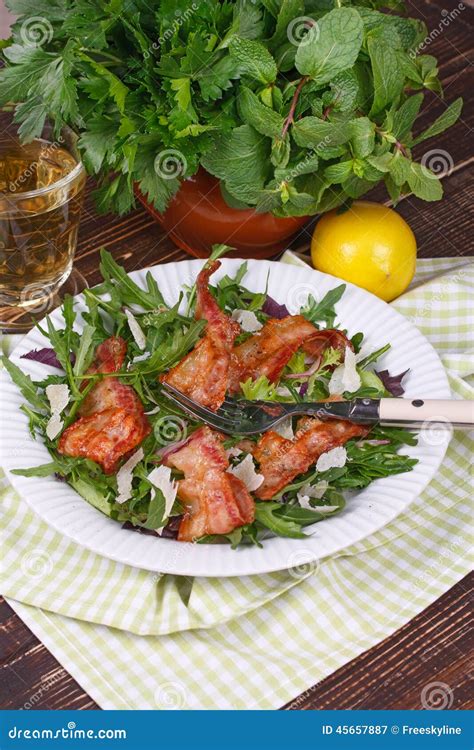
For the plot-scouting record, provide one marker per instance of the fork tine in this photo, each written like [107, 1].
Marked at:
[195, 409]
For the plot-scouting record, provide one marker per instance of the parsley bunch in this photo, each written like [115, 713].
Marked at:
[297, 106]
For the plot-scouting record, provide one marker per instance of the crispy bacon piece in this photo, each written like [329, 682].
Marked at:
[112, 420]
[109, 356]
[203, 373]
[105, 436]
[216, 502]
[318, 342]
[269, 350]
[281, 460]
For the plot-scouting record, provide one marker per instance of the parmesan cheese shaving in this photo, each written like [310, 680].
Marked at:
[245, 471]
[58, 397]
[155, 410]
[125, 476]
[135, 330]
[345, 377]
[247, 320]
[233, 452]
[161, 479]
[315, 491]
[335, 458]
[285, 429]
[54, 426]
[305, 503]
[309, 492]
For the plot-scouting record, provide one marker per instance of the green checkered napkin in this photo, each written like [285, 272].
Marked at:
[133, 639]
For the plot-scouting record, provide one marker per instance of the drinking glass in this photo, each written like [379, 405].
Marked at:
[41, 194]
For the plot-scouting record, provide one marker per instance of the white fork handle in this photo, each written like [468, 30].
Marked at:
[425, 412]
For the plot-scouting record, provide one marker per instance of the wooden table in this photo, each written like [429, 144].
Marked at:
[434, 645]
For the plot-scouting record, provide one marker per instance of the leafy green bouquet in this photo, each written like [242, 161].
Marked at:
[297, 106]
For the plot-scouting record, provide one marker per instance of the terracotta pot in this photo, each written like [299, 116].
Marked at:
[198, 217]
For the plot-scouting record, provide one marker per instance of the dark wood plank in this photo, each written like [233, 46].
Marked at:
[432, 647]
[436, 646]
[29, 676]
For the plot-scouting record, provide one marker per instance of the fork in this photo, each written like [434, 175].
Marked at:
[242, 417]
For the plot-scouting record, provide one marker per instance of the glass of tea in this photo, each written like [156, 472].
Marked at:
[41, 193]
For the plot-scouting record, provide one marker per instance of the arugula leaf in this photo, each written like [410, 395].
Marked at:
[131, 293]
[171, 351]
[27, 387]
[334, 45]
[44, 470]
[323, 312]
[85, 352]
[374, 356]
[156, 510]
[267, 515]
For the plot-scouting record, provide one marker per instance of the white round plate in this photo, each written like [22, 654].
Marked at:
[61, 507]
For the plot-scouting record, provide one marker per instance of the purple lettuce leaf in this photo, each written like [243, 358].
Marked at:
[303, 389]
[46, 356]
[272, 308]
[392, 383]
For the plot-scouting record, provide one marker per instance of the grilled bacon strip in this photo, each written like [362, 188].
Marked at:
[269, 350]
[112, 420]
[216, 502]
[316, 344]
[281, 460]
[203, 373]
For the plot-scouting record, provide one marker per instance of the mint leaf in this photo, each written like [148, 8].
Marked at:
[424, 183]
[404, 117]
[399, 168]
[242, 160]
[338, 172]
[334, 45]
[442, 123]
[388, 76]
[289, 10]
[362, 137]
[254, 59]
[344, 93]
[265, 120]
[312, 132]
[393, 189]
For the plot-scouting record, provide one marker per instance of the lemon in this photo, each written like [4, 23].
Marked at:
[369, 245]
